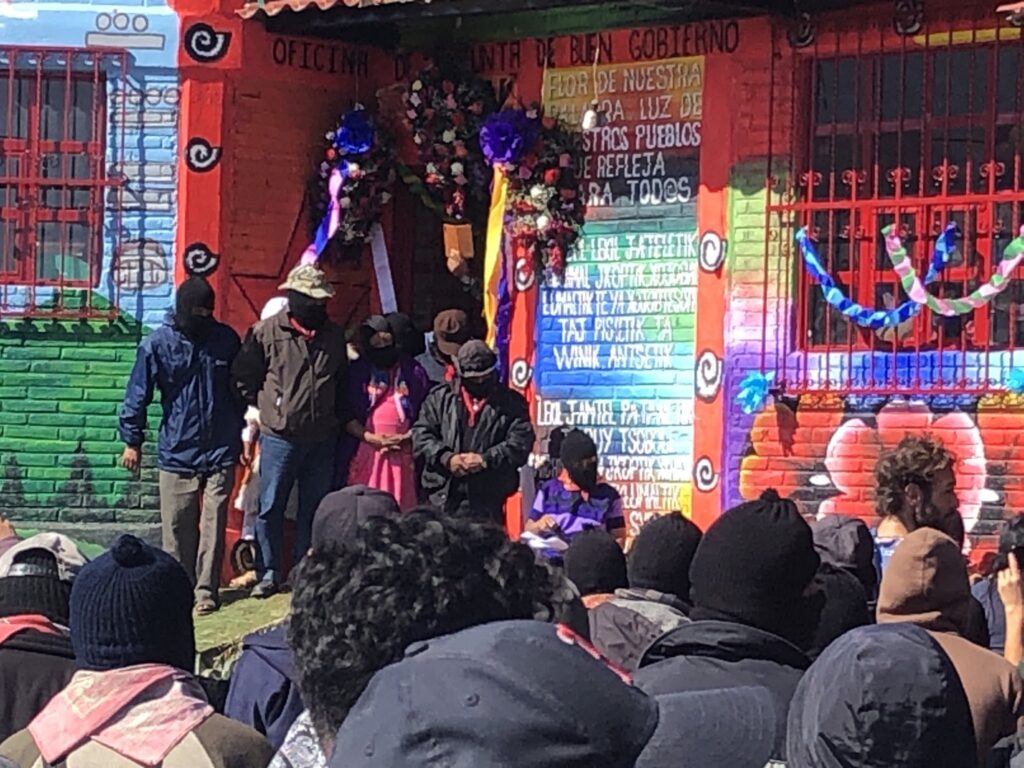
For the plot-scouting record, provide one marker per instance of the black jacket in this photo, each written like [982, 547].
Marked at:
[33, 667]
[503, 436]
[718, 654]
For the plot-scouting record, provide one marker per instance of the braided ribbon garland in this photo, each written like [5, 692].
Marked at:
[872, 318]
[950, 307]
[329, 224]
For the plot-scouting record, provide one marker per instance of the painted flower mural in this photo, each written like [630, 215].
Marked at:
[856, 445]
[814, 452]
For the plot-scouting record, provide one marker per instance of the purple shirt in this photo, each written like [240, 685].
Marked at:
[574, 514]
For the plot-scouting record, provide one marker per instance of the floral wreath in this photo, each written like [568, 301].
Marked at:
[545, 206]
[355, 181]
[445, 115]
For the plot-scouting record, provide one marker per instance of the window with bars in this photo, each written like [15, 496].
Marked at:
[916, 132]
[53, 170]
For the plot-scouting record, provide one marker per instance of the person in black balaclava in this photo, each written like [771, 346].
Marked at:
[473, 436]
[576, 500]
[193, 309]
[187, 359]
[294, 369]
[377, 448]
[411, 341]
[379, 343]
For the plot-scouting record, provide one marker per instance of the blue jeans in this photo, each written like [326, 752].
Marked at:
[282, 464]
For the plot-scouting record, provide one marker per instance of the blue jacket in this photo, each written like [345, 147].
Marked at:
[202, 416]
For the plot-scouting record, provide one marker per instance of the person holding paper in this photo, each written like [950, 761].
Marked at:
[576, 500]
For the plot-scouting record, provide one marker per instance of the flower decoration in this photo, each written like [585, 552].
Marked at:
[546, 208]
[362, 154]
[754, 390]
[445, 115]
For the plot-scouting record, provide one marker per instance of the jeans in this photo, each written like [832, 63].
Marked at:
[282, 465]
[193, 513]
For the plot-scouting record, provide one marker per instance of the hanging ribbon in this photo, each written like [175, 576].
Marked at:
[951, 307]
[382, 271]
[493, 267]
[331, 221]
[856, 313]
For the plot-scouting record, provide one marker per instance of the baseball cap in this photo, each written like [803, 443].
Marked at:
[475, 360]
[451, 331]
[535, 695]
[65, 552]
[308, 280]
[342, 512]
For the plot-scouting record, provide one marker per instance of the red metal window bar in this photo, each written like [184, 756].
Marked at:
[915, 130]
[57, 180]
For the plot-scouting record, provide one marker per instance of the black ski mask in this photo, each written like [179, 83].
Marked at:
[410, 341]
[480, 389]
[579, 457]
[193, 308]
[382, 356]
[310, 313]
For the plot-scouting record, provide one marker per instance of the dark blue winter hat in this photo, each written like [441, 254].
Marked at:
[132, 605]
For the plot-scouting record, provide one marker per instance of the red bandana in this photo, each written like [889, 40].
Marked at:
[473, 406]
[304, 332]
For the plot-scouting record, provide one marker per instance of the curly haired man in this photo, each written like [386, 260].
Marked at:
[401, 580]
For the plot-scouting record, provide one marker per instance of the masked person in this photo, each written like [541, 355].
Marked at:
[576, 500]
[294, 368]
[188, 359]
[473, 436]
[386, 390]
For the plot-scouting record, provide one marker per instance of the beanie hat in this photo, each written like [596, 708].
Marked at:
[575, 447]
[595, 564]
[34, 586]
[194, 292]
[132, 605]
[753, 567]
[661, 555]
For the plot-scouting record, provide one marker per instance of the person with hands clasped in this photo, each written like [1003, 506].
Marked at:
[386, 390]
[473, 435]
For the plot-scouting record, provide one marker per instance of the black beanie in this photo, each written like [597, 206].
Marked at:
[753, 567]
[39, 590]
[595, 564]
[132, 605]
[576, 446]
[661, 555]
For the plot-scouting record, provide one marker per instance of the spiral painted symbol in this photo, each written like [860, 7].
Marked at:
[201, 156]
[205, 44]
[712, 251]
[704, 476]
[525, 276]
[709, 375]
[199, 260]
[520, 374]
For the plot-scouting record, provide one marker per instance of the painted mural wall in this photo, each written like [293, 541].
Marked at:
[820, 446]
[63, 372]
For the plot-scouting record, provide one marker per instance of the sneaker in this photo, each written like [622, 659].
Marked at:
[265, 589]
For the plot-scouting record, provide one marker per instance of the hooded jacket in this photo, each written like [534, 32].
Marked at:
[926, 584]
[846, 543]
[200, 430]
[879, 697]
[264, 693]
[704, 655]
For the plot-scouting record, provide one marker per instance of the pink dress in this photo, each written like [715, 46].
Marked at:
[394, 471]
